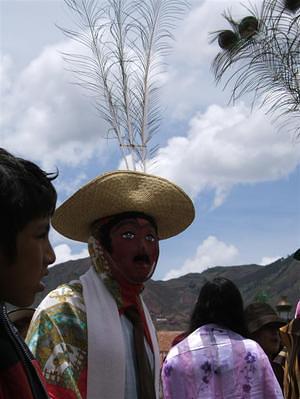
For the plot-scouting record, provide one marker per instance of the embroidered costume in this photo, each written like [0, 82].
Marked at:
[58, 338]
[214, 362]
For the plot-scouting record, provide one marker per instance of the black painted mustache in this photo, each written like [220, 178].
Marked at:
[142, 258]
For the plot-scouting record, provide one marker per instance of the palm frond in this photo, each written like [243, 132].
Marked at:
[263, 59]
[125, 42]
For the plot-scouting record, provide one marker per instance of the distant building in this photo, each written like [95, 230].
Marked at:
[165, 339]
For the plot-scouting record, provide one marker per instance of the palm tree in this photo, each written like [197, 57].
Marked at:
[261, 55]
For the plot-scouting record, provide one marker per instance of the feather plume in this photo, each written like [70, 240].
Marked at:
[262, 57]
[126, 41]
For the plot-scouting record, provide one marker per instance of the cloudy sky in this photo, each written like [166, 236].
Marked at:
[242, 173]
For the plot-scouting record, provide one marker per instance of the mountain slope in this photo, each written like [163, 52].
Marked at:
[171, 302]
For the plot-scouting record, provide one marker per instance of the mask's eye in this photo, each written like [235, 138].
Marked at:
[150, 237]
[128, 235]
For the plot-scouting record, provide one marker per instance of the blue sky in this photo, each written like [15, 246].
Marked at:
[241, 172]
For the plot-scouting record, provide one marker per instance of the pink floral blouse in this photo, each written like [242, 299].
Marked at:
[215, 363]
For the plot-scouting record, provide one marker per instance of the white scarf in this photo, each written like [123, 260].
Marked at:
[106, 349]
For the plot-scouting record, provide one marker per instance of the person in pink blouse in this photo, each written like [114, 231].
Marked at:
[215, 360]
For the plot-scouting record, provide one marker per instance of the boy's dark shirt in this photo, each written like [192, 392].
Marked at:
[20, 376]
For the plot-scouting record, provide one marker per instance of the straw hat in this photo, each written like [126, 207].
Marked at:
[258, 315]
[125, 191]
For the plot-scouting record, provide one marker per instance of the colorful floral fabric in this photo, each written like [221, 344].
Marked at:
[215, 363]
[58, 338]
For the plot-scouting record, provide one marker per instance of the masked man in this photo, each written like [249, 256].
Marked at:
[94, 338]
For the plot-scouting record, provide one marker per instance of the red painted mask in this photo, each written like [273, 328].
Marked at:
[135, 250]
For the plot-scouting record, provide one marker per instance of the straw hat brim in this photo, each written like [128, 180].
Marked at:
[125, 191]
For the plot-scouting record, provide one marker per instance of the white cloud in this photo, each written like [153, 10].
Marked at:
[70, 186]
[226, 146]
[47, 118]
[5, 81]
[266, 260]
[64, 253]
[190, 85]
[211, 252]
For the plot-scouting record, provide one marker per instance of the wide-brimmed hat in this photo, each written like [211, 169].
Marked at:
[125, 191]
[258, 315]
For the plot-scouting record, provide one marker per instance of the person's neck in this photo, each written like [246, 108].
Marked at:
[129, 286]
[124, 281]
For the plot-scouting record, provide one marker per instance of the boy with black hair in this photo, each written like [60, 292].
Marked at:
[27, 201]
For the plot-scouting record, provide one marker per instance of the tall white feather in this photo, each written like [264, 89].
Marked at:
[126, 42]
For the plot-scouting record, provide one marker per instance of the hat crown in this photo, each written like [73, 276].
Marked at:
[259, 314]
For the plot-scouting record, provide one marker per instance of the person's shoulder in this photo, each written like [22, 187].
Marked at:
[247, 348]
[67, 292]
[291, 328]
[253, 349]
[65, 299]
[64, 305]
[186, 342]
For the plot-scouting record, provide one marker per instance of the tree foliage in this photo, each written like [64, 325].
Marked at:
[261, 55]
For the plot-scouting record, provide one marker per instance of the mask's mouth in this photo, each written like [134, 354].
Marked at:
[138, 259]
[142, 259]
